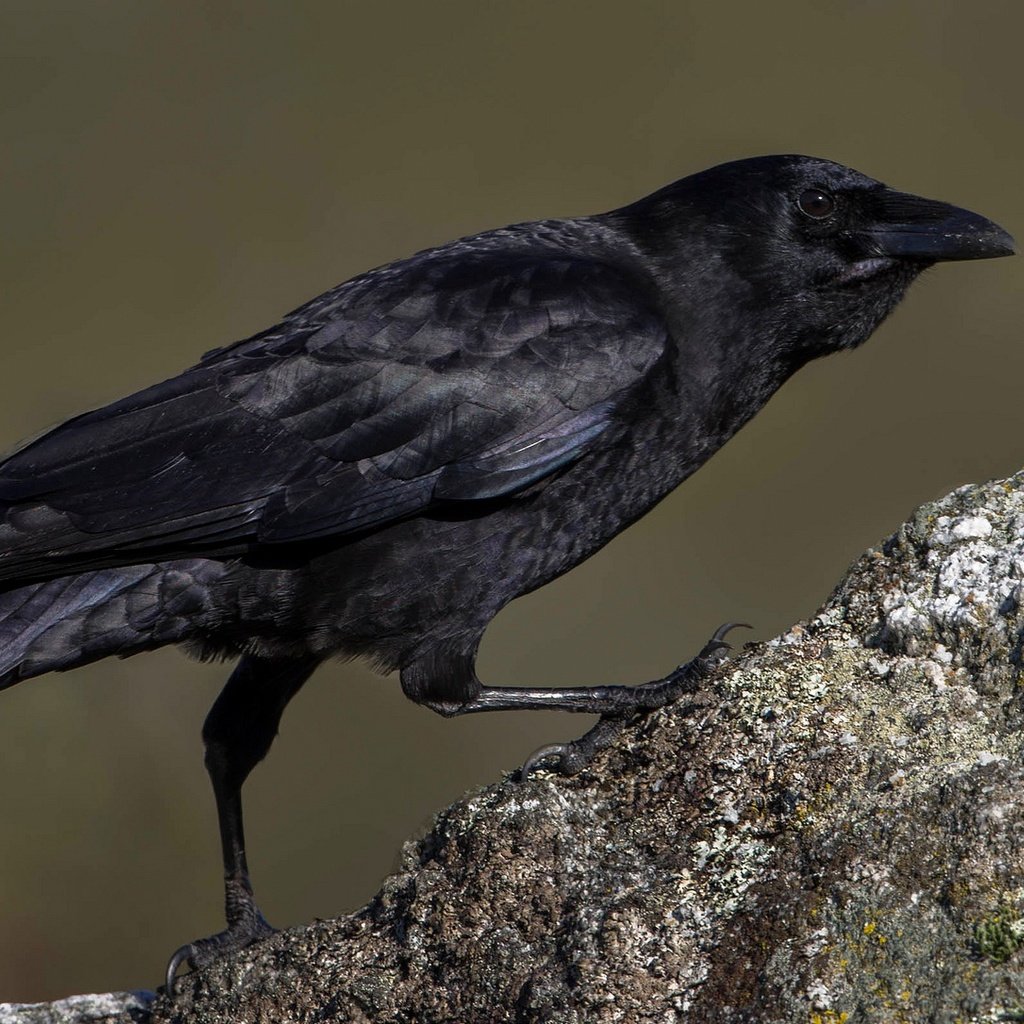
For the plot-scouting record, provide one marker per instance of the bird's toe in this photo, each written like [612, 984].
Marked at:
[203, 952]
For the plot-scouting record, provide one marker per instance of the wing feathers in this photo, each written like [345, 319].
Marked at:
[454, 376]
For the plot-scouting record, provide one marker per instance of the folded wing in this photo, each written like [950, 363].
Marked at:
[458, 375]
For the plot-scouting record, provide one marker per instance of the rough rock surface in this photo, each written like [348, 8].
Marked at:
[831, 833]
[109, 1008]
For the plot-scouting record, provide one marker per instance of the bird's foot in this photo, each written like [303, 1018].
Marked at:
[246, 925]
[569, 758]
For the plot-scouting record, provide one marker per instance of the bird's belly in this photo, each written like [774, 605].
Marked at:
[399, 590]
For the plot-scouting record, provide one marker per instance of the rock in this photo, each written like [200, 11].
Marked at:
[831, 833]
[109, 1008]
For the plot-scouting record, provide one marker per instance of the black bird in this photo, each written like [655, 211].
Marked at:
[385, 469]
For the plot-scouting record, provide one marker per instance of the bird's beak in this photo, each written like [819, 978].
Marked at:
[910, 227]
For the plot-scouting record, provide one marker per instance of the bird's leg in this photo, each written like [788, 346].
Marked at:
[237, 734]
[618, 706]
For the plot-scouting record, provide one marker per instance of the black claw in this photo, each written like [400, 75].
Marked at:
[173, 966]
[542, 754]
[718, 642]
[567, 758]
[726, 628]
[204, 951]
[575, 756]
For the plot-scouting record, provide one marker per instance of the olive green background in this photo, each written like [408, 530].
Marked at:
[176, 175]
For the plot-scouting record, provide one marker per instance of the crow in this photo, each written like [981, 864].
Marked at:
[386, 468]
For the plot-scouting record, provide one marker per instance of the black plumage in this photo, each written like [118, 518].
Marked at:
[385, 469]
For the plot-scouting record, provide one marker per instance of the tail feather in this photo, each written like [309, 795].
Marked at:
[77, 619]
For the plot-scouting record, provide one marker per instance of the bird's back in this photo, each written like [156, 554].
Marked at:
[445, 389]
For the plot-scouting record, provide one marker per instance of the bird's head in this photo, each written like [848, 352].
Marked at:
[820, 248]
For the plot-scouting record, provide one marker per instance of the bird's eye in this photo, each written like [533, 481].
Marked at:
[816, 203]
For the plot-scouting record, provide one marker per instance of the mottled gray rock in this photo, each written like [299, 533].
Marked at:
[108, 1008]
[831, 833]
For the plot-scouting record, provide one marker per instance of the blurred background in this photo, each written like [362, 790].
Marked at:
[177, 175]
